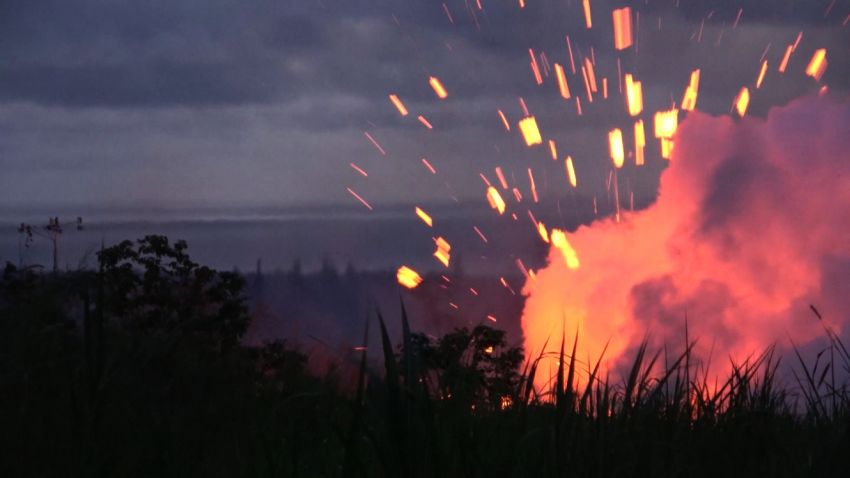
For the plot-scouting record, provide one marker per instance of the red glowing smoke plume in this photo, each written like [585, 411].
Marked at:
[751, 226]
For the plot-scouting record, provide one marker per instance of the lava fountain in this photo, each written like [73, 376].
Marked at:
[751, 226]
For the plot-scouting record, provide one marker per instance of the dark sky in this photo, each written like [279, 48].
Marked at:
[247, 103]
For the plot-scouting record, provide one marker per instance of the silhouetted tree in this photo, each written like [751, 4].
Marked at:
[152, 285]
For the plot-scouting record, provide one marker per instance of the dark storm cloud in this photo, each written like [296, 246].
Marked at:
[257, 101]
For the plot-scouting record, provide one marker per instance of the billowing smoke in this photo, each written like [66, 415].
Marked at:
[751, 226]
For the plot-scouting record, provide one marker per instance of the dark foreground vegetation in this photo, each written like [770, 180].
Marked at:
[137, 369]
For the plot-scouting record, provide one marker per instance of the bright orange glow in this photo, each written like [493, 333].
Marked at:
[634, 95]
[689, 101]
[817, 65]
[615, 142]
[528, 128]
[666, 123]
[762, 73]
[544, 234]
[408, 277]
[553, 149]
[640, 143]
[571, 172]
[587, 17]
[784, 64]
[438, 88]
[742, 101]
[667, 148]
[560, 242]
[495, 200]
[622, 28]
[425, 217]
[563, 87]
[399, 105]
[651, 275]
[443, 252]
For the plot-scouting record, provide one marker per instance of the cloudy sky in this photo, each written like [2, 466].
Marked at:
[264, 103]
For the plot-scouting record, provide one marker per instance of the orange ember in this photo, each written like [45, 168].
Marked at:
[438, 88]
[495, 200]
[615, 142]
[622, 28]
[528, 128]
[408, 277]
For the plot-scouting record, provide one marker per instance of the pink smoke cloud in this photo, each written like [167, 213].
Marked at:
[751, 226]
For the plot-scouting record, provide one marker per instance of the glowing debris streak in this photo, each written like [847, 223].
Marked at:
[634, 95]
[615, 143]
[357, 196]
[438, 88]
[530, 132]
[622, 18]
[817, 65]
[563, 86]
[560, 242]
[398, 104]
[408, 277]
[762, 74]
[424, 216]
[689, 101]
[495, 200]
[375, 143]
[443, 252]
[640, 143]
[359, 170]
[571, 172]
[742, 101]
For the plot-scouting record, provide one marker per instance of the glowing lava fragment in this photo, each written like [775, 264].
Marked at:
[817, 66]
[560, 242]
[588, 20]
[762, 73]
[443, 251]
[666, 123]
[399, 105]
[622, 28]
[571, 172]
[544, 234]
[783, 65]
[563, 87]
[640, 143]
[689, 101]
[495, 200]
[438, 87]
[742, 101]
[615, 142]
[528, 127]
[425, 217]
[408, 277]
[634, 95]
